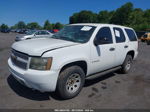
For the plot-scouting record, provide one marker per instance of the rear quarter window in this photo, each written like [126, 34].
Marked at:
[131, 35]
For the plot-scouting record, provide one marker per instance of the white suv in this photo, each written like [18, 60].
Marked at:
[79, 51]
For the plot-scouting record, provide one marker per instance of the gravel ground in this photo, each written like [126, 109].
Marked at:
[111, 91]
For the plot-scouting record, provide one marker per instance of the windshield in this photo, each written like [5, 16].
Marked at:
[75, 33]
[30, 32]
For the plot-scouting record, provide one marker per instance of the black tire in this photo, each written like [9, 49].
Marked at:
[148, 42]
[126, 66]
[65, 88]
[142, 41]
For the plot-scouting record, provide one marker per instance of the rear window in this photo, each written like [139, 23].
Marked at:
[131, 35]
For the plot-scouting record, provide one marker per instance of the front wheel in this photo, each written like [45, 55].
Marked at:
[70, 82]
[127, 64]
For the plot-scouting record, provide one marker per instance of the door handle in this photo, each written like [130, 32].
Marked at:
[126, 46]
[112, 49]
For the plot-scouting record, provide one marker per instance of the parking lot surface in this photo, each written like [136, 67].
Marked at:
[111, 91]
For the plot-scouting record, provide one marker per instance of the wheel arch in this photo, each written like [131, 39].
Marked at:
[82, 63]
[132, 53]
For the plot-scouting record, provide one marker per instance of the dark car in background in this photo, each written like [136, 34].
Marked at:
[5, 30]
[13, 30]
[22, 31]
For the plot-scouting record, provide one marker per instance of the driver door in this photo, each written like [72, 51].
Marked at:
[103, 54]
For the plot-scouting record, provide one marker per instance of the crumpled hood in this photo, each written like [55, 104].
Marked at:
[37, 46]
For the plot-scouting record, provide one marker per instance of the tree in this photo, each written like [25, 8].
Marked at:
[58, 26]
[73, 18]
[147, 15]
[15, 26]
[33, 25]
[121, 14]
[53, 26]
[126, 15]
[138, 20]
[4, 27]
[104, 16]
[21, 25]
[83, 17]
[47, 25]
[135, 17]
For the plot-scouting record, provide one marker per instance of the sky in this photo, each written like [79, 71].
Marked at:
[12, 11]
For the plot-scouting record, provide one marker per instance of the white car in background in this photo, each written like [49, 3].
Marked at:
[33, 34]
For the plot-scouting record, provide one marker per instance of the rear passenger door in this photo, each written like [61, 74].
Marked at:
[121, 46]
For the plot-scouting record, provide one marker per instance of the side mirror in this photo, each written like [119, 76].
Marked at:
[96, 43]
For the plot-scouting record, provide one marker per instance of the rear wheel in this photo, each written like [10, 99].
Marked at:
[127, 64]
[70, 82]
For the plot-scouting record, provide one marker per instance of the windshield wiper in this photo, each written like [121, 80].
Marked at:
[67, 39]
[64, 38]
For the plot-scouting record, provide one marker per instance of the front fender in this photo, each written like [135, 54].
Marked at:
[64, 56]
[72, 61]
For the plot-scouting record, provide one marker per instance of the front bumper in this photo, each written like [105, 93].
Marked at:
[44, 81]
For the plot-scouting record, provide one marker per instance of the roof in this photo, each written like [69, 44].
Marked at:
[100, 24]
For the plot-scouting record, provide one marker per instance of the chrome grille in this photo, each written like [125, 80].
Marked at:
[19, 59]
[21, 55]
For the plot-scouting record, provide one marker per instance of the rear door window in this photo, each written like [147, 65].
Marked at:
[119, 35]
[131, 35]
